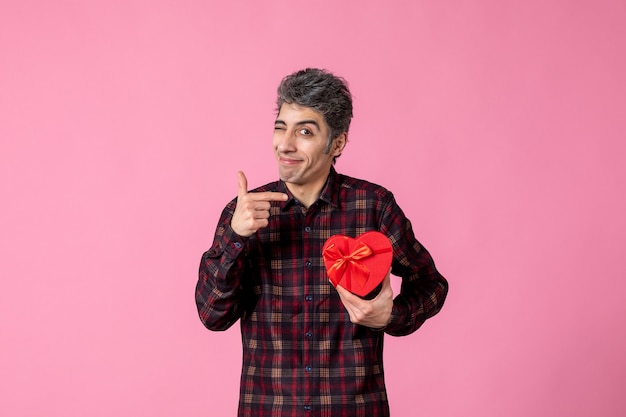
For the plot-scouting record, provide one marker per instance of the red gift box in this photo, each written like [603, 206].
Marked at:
[358, 265]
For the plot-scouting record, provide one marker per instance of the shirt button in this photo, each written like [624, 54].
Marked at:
[307, 229]
[308, 368]
[307, 408]
[309, 298]
[308, 264]
[308, 335]
[237, 245]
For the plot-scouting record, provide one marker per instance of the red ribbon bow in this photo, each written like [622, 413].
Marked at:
[358, 264]
[356, 274]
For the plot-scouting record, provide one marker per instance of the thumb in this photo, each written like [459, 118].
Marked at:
[386, 284]
[243, 184]
[387, 280]
[345, 294]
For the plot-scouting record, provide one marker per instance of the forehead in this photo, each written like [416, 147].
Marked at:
[291, 113]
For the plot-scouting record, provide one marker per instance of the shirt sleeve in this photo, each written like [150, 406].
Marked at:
[220, 295]
[424, 289]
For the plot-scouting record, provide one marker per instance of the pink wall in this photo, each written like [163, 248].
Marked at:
[499, 125]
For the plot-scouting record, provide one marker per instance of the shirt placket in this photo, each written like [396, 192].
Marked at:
[309, 361]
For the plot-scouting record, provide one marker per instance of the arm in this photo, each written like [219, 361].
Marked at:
[223, 293]
[219, 292]
[424, 289]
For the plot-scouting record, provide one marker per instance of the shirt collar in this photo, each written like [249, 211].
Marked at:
[328, 194]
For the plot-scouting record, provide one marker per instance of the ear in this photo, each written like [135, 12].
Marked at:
[339, 143]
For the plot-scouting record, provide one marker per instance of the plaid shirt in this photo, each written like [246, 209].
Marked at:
[301, 354]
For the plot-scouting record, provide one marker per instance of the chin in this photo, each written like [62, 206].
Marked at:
[291, 179]
[287, 176]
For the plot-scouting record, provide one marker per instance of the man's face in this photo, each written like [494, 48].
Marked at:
[300, 140]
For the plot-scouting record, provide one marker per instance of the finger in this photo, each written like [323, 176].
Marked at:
[261, 223]
[269, 196]
[346, 295]
[385, 290]
[387, 280]
[260, 205]
[347, 299]
[261, 214]
[243, 184]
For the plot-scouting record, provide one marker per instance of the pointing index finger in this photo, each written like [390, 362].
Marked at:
[269, 196]
[260, 196]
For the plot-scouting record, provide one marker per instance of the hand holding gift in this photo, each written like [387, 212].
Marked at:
[356, 267]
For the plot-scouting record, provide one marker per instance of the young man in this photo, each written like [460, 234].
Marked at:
[310, 348]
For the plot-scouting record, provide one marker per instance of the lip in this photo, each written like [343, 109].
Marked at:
[288, 161]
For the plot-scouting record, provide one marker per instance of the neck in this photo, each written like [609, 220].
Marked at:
[305, 195]
[308, 193]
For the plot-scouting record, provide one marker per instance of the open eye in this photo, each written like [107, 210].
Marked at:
[305, 132]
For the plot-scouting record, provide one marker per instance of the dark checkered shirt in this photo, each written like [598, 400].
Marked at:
[301, 354]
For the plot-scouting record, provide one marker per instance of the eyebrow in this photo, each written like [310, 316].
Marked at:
[300, 123]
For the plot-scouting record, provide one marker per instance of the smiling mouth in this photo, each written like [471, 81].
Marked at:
[288, 161]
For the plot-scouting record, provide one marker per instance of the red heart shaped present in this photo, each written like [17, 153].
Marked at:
[360, 264]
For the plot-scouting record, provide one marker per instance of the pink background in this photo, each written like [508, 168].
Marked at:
[499, 125]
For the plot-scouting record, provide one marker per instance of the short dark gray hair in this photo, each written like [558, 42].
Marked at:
[322, 91]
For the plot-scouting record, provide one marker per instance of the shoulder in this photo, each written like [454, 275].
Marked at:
[347, 183]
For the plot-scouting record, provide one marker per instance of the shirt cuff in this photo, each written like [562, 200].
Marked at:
[399, 312]
[233, 244]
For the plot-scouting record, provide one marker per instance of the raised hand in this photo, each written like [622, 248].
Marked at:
[253, 209]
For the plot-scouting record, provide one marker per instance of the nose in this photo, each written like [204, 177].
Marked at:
[285, 141]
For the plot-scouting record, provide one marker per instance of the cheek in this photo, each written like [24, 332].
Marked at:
[313, 150]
